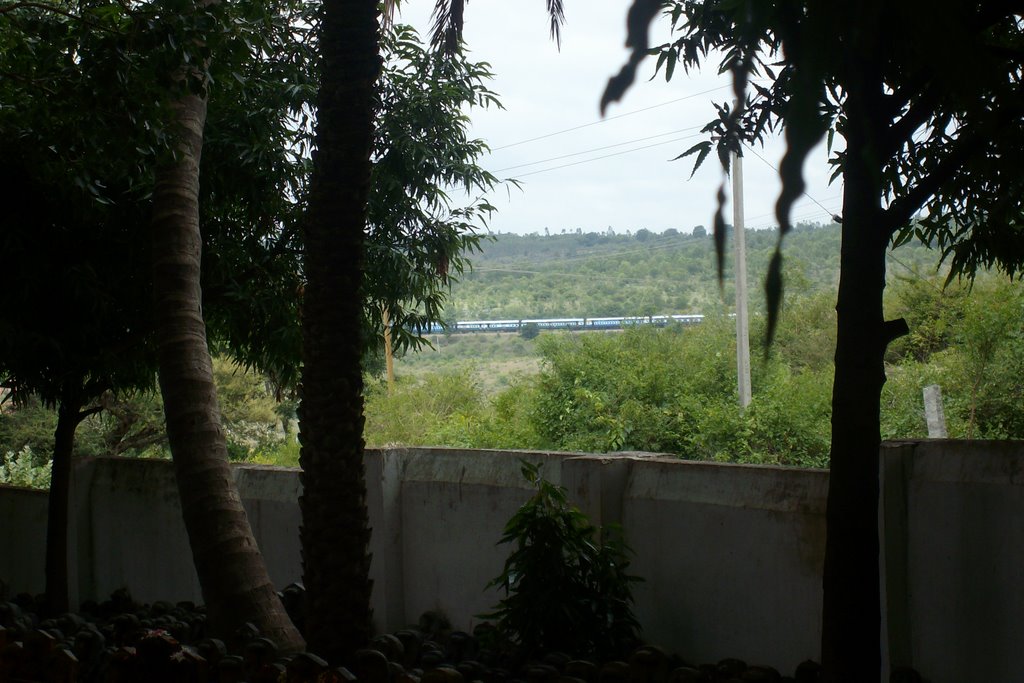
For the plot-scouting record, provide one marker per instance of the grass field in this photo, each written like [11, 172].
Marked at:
[494, 359]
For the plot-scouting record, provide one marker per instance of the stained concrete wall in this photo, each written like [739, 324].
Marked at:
[126, 529]
[22, 539]
[952, 524]
[453, 508]
[731, 554]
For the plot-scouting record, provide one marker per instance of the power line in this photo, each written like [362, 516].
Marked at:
[598, 149]
[607, 156]
[889, 252]
[803, 214]
[773, 167]
[610, 118]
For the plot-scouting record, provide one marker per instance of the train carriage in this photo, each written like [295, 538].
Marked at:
[602, 323]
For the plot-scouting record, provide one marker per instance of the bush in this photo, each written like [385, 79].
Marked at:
[529, 331]
[565, 582]
[21, 469]
[32, 425]
[416, 413]
[134, 424]
[674, 391]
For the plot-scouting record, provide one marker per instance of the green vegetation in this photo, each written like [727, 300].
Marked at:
[23, 469]
[133, 425]
[674, 390]
[590, 274]
[671, 390]
[565, 581]
[495, 360]
[971, 343]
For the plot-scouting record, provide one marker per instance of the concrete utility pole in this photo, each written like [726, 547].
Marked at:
[742, 326]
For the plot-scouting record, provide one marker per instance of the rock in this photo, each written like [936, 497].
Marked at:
[582, 669]
[371, 666]
[687, 674]
[808, 671]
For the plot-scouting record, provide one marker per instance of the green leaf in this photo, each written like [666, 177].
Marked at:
[773, 294]
[702, 149]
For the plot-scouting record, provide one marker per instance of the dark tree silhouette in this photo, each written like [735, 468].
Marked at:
[929, 101]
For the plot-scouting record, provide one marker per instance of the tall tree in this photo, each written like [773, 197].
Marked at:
[128, 162]
[64, 337]
[240, 590]
[418, 237]
[929, 101]
[335, 532]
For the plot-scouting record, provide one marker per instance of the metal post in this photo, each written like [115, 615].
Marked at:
[742, 326]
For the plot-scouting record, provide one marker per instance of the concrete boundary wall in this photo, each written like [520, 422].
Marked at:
[23, 539]
[952, 532]
[731, 555]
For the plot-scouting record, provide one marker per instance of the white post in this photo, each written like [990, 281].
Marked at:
[933, 412]
[742, 327]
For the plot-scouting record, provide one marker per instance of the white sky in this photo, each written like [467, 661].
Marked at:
[545, 91]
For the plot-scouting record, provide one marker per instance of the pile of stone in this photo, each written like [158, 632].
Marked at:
[119, 641]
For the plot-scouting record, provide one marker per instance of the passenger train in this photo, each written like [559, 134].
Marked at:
[610, 323]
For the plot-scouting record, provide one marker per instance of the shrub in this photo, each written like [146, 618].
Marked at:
[674, 391]
[529, 331]
[20, 469]
[565, 582]
[415, 412]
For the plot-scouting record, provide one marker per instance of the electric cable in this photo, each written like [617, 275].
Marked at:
[598, 149]
[610, 118]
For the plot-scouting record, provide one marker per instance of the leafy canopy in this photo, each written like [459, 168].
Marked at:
[947, 126]
[418, 237]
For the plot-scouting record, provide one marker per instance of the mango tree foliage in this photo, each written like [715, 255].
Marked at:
[928, 100]
[419, 236]
[96, 89]
[971, 343]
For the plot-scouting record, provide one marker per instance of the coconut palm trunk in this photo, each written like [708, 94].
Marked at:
[234, 579]
[335, 529]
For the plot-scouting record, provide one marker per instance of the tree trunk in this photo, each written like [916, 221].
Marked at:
[335, 528]
[57, 503]
[234, 580]
[851, 621]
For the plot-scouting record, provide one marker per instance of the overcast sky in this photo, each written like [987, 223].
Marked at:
[547, 92]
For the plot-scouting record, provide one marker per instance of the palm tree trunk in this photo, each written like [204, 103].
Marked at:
[335, 529]
[234, 579]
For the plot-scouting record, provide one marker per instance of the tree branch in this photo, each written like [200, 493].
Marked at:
[55, 10]
[894, 329]
[34, 82]
[82, 415]
[915, 117]
[904, 208]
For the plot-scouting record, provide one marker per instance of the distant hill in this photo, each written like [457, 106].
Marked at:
[593, 274]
